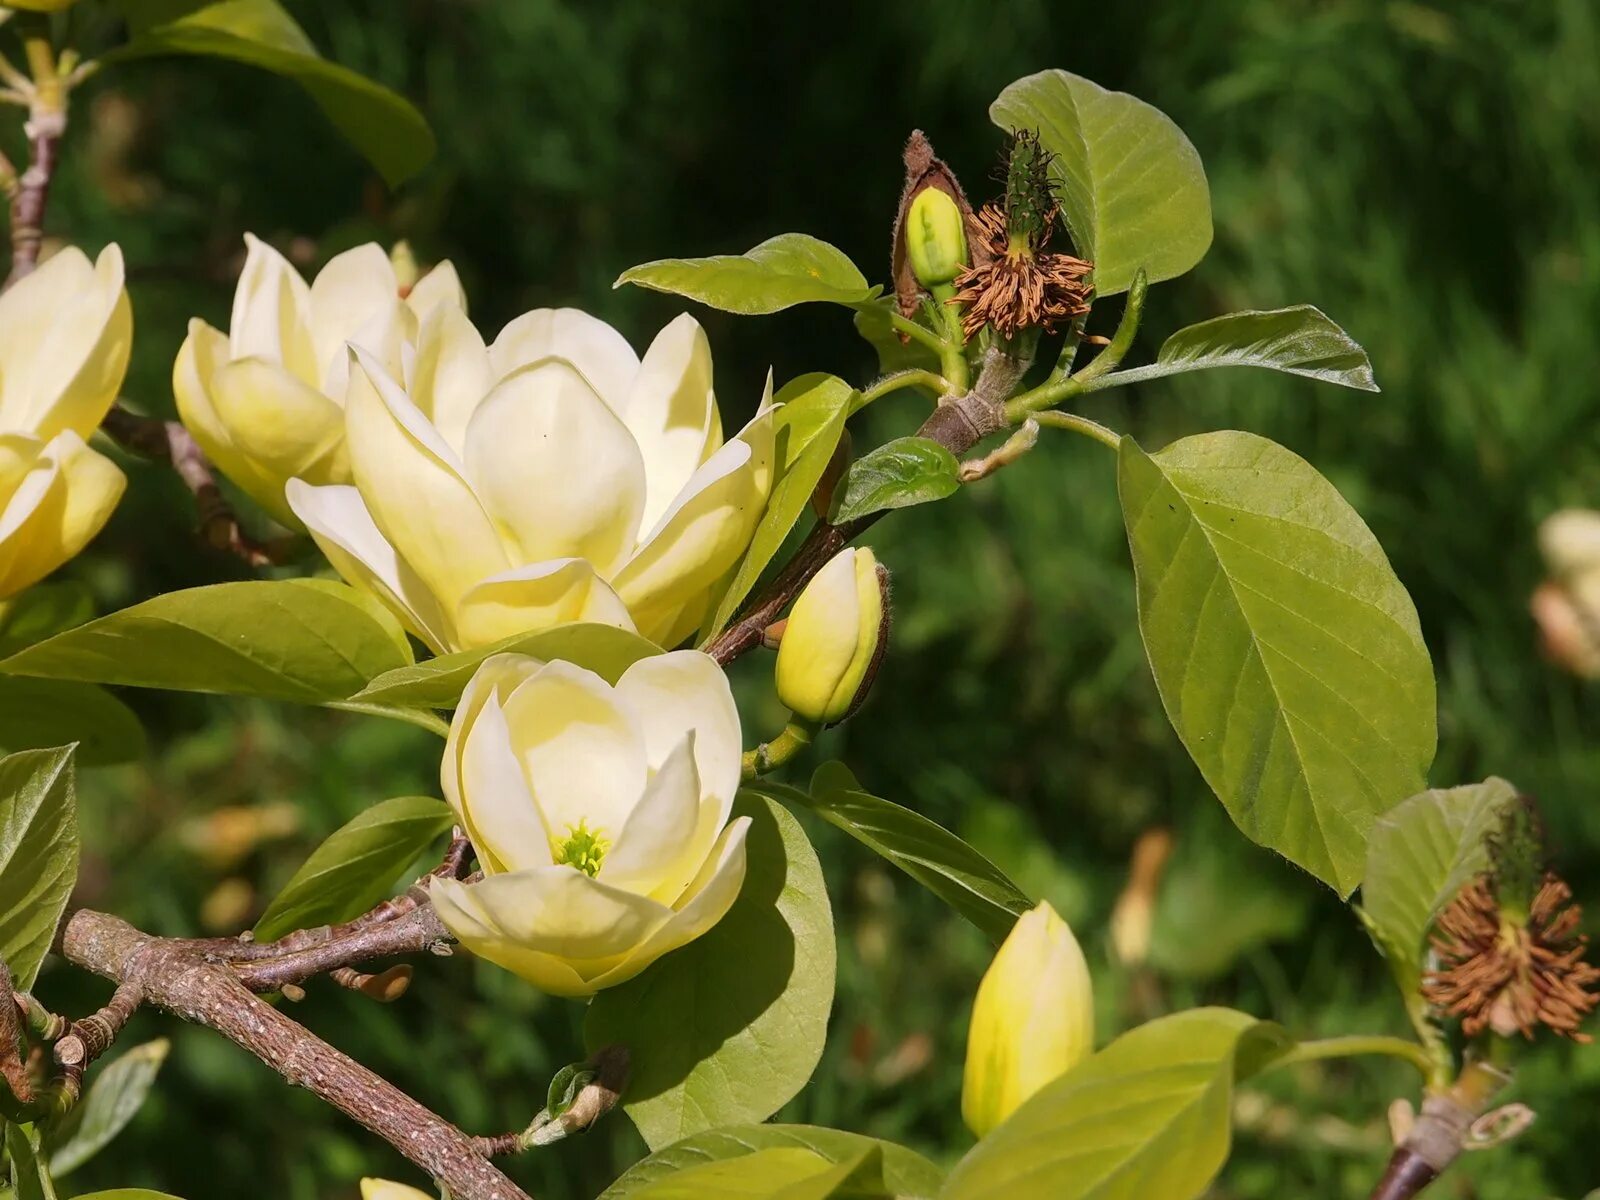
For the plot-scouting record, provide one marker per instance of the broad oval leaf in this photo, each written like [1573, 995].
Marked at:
[728, 1029]
[897, 474]
[357, 866]
[36, 713]
[790, 269]
[1298, 341]
[905, 1172]
[925, 850]
[386, 128]
[127, 1194]
[309, 640]
[113, 1099]
[1132, 189]
[808, 428]
[1149, 1116]
[439, 682]
[1287, 654]
[1418, 856]
[764, 1175]
[38, 855]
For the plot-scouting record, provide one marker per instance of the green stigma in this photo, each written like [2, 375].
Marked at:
[1030, 196]
[583, 848]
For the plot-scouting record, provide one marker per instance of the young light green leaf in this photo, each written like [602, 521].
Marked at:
[1298, 341]
[113, 1099]
[309, 640]
[43, 610]
[38, 855]
[1133, 192]
[898, 474]
[790, 269]
[357, 866]
[808, 428]
[923, 849]
[1419, 854]
[760, 1176]
[905, 1173]
[1287, 654]
[729, 1028]
[35, 713]
[1150, 1115]
[127, 1194]
[439, 682]
[382, 125]
[859, 1177]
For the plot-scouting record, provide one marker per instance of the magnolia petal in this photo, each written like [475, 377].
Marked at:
[495, 679]
[600, 353]
[704, 902]
[562, 911]
[272, 314]
[386, 334]
[441, 285]
[561, 591]
[672, 412]
[343, 529]
[651, 853]
[286, 427]
[450, 375]
[462, 917]
[413, 485]
[683, 692]
[582, 750]
[60, 502]
[499, 811]
[352, 288]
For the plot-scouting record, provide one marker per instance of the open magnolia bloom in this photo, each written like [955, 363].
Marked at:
[66, 331]
[265, 400]
[599, 815]
[550, 478]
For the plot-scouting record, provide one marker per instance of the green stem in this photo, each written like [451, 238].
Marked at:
[918, 333]
[768, 756]
[1069, 348]
[1359, 1044]
[953, 358]
[1082, 425]
[1046, 395]
[1122, 341]
[916, 377]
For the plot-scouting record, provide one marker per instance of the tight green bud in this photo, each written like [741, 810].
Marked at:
[834, 638]
[936, 237]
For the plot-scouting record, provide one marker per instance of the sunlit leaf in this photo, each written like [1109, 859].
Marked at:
[790, 269]
[35, 713]
[38, 855]
[897, 474]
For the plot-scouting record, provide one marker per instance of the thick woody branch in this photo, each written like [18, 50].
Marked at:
[175, 976]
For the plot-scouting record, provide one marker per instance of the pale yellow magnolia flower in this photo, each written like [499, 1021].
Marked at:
[550, 478]
[833, 638]
[1033, 1020]
[265, 400]
[384, 1189]
[66, 331]
[599, 815]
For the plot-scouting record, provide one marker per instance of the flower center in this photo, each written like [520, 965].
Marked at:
[583, 848]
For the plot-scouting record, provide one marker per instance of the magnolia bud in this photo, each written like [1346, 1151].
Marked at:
[834, 638]
[384, 1189]
[1032, 1022]
[936, 237]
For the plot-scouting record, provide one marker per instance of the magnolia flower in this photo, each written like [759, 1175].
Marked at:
[549, 478]
[834, 639]
[599, 815]
[265, 400]
[65, 333]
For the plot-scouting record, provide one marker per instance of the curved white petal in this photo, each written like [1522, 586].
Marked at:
[343, 528]
[672, 412]
[562, 911]
[599, 352]
[285, 426]
[499, 811]
[62, 494]
[347, 293]
[450, 375]
[496, 678]
[441, 285]
[386, 334]
[463, 917]
[272, 314]
[651, 853]
[682, 692]
[560, 591]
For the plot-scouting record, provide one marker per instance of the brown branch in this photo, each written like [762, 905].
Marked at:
[174, 976]
[1440, 1133]
[45, 129]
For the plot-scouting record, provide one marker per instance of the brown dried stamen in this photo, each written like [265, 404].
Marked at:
[1022, 286]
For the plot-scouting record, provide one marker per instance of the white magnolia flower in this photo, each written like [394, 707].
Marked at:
[549, 478]
[599, 815]
[265, 400]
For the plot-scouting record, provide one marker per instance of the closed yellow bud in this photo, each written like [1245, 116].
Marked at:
[1033, 1020]
[383, 1189]
[834, 638]
[936, 237]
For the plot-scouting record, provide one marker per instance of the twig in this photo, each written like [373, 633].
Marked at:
[1441, 1132]
[44, 130]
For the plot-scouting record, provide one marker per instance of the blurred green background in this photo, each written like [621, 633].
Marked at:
[1425, 173]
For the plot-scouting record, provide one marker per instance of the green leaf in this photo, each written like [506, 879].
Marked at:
[37, 713]
[763, 1175]
[30, 1177]
[113, 1099]
[905, 1173]
[872, 322]
[38, 855]
[1133, 192]
[1419, 855]
[925, 850]
[42, 610]
[1148, 1116]
[309, 640]
[859, 1177]
[728, 1029]
[127, 1194]
[808, 427]
[439, 682]
[357, 866]
[1298, 341]
[382, 125]
[790, 269]
[898, 474]
[1287, 654]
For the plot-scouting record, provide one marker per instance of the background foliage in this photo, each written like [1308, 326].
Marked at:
[1424, 173]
